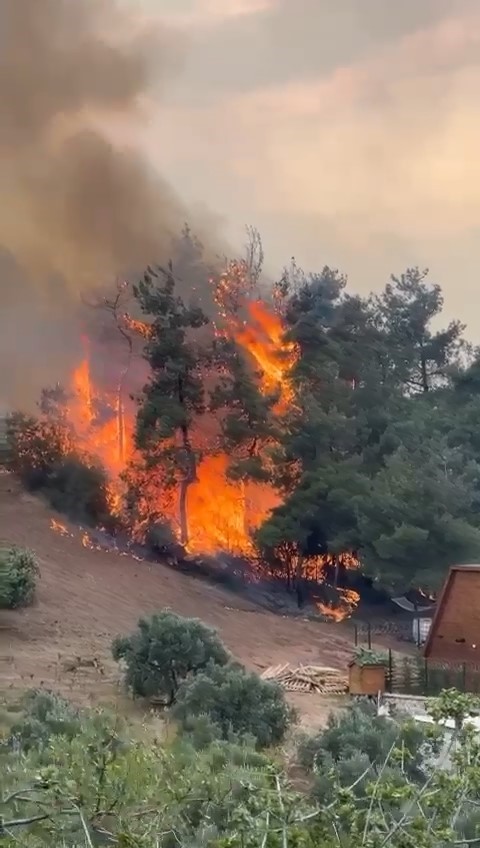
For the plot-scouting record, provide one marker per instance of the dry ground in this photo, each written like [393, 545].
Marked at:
[86, 597]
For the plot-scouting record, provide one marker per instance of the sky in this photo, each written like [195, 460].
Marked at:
[347, 131]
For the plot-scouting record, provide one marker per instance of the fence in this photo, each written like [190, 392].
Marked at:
[365, 631]
[418, 675]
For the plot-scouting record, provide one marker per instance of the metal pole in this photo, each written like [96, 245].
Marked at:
[369, 636]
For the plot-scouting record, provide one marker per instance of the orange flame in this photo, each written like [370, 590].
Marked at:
[222, 513]
[97, 438]
[59, 528]
[262, 337]
[348, 601]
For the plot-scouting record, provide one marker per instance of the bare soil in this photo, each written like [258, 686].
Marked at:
[86, 597]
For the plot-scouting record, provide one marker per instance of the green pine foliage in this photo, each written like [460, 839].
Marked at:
[377, 455]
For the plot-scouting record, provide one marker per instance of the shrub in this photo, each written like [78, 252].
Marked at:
[35, 447]
[237, 702]
[18, 576]
[366, 656]
[42, 453]
[99, 787]
[357, 740]
[161, 539]
[79, 491]
[44, 715]
[164, 651]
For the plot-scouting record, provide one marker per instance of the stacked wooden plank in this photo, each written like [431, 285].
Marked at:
[308, 678]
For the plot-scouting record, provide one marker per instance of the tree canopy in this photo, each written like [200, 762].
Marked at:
[361, 416]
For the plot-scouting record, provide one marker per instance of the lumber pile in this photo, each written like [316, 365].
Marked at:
[308, 678]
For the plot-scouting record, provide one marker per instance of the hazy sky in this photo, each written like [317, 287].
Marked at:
[347, 131]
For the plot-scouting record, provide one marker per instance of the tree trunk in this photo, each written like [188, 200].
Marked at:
[423, 371]
[122, 383]
[184, 535]
[189, 477]
[120, 427]
[299, 582]
[121, 408]
[335, 579]
[189, 471]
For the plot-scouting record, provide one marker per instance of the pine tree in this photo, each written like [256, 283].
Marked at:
[175, 392]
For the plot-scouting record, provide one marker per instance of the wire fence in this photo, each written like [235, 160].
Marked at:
[365, 631]
[415, 674]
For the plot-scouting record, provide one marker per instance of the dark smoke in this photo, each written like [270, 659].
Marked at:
[77, 209]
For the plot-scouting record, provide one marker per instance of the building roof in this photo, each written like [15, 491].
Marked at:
[442, 601]
[407, 605]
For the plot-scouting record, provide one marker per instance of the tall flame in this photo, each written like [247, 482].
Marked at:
[262, 337]
[221, 513]
[97, 418]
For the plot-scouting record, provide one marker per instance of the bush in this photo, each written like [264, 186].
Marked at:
[161, 539]
[44, 715]
[79, 491]
[357, 740]
[18, 576]
[237, 702]
[42, 453]
[100, 787]
[164, 651]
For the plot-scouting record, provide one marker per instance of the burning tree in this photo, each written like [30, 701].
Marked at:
[282, 429]
[248, 424]
[175, 393]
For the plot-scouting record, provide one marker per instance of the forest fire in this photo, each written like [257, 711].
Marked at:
[99, 417]
[222, 512]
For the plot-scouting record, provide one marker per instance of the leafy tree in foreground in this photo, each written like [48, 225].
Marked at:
[164, 651]
[101, 786]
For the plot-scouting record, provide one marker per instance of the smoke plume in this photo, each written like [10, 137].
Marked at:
[78, 208]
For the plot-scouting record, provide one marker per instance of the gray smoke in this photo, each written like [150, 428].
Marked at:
[76, 209]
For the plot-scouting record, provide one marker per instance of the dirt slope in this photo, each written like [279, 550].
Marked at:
[86, 597]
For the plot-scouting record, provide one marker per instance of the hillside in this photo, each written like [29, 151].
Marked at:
[86, 597]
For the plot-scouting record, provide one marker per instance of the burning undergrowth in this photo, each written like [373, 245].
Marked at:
[163, 442]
